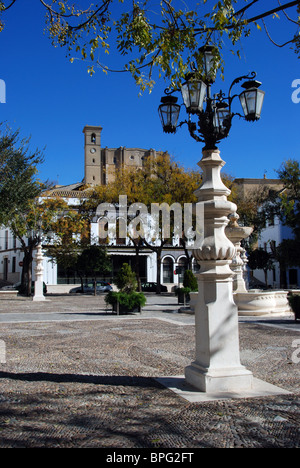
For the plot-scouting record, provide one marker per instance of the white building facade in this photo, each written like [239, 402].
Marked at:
[11, 261]
[173, 256]
[270, 238]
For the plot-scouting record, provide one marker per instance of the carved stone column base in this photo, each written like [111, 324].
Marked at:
[217, 366]
[219, 380]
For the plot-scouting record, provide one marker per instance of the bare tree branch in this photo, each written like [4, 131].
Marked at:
[273, 42]
[288, 17]
[6, 8]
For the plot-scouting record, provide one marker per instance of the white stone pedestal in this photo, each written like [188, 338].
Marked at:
[217, 366]
[39, 276]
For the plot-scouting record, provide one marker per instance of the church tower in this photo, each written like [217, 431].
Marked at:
[92, 152]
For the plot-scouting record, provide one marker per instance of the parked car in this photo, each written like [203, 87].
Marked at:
[88, 288]
[152, 287]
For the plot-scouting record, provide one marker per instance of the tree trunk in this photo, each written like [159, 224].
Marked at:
[266, 277]
[187, 254]
[283, 279]
[137, 244]
[137, 270]
[27, 271]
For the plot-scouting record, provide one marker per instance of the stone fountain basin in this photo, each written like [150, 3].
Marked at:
[256, 302]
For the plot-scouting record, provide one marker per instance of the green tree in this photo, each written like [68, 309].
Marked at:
[164, 36]
[289, 202]
[254, 209]
[287, 208]
[190, 281]
[93, 261]
[18, 170]
[288, 255]
[72, 233]
[259, 259]
[19, 188]
[126, 280]
[33, 224]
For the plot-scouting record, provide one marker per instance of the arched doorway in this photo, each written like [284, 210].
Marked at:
[183, 266]
[168, 270]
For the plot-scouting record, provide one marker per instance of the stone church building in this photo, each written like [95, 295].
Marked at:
[100, 164]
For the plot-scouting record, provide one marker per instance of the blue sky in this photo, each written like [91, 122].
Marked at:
[51, 100]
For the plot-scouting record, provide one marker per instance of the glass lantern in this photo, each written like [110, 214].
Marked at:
[252, 100]
[222, 117]
[193, 95]
[210, 62]
[169, 113]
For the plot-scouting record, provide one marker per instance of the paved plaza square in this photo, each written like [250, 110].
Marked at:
[78, 376]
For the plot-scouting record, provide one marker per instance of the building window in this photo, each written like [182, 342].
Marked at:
[5, 269]
[93, 138]
[13, 267]
[168, 271]
[6, 240]
[183, 265]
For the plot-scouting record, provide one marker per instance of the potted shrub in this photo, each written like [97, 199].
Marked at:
[127, 299]
[183, 295]
[124, 303]
[190, 285]
[294, 301]
[190, 281]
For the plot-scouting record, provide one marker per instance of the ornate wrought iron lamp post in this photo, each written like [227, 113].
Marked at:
[217, 366]
[214, 122]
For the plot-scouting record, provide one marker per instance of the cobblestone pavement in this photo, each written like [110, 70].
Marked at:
[89, 381]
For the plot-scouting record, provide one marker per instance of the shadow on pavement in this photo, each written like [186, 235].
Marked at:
[113, 380]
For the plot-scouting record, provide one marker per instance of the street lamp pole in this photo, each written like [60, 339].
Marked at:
[217, 366]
